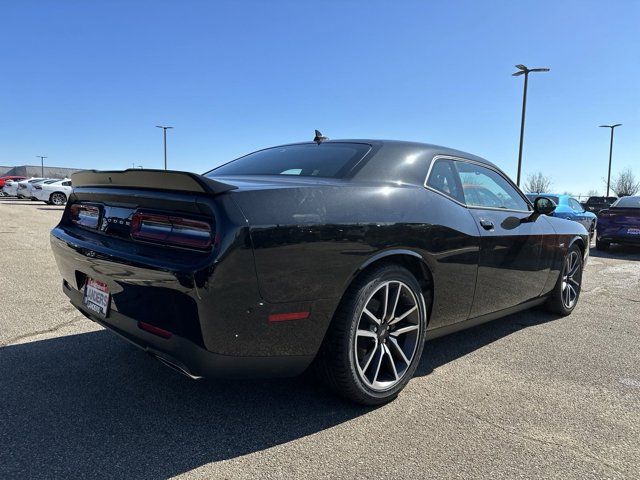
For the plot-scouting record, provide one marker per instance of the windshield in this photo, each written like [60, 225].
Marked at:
[329, 160]
[627, 202]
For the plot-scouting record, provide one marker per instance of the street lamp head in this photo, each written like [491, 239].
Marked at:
[524, 70]
[162, 126]
[611, 126]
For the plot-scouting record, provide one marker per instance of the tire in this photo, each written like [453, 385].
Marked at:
[592, 231]
[600, 245]
[365, 357]
[566, 292]
[58, 198]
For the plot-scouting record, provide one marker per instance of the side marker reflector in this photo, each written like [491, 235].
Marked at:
[161, 332]
[284, 317]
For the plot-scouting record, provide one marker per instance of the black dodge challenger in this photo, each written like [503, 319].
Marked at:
[344, 256]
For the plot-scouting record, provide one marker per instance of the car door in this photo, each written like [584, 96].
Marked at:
[511, 267]
[579, 213]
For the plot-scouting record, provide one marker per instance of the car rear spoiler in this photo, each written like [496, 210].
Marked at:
[150, 179]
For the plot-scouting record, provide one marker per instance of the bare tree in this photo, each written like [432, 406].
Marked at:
[592, 193]
[625, 183]
[537, 183]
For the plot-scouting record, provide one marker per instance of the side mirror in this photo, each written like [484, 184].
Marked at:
[543, 206]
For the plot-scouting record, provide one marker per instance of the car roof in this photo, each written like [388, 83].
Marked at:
[408, 146]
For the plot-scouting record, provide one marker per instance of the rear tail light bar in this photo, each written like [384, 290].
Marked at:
[171, 230]
[84, 215]
[152, 227]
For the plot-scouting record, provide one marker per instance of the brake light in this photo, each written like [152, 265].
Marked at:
[168, 229]
[84, 215]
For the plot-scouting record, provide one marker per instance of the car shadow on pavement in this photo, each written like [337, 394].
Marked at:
[92, 406]
[623, 252]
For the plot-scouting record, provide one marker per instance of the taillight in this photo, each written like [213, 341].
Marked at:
[38, 187]
[84, 215]
[171, 230]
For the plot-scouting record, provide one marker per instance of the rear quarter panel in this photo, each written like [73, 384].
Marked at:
[310, 242]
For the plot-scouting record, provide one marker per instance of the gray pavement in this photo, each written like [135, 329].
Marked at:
[528, 396]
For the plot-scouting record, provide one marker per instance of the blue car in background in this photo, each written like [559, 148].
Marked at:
[571, 209]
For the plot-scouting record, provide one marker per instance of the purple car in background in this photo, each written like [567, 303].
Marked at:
[619, 223]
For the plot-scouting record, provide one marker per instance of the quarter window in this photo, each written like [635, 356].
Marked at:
[484, 187]
[444, 179]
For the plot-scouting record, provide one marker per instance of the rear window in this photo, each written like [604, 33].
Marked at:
[627, 202]
[329, 160]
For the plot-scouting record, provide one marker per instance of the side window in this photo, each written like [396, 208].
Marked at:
[444, 178]
[575, 205]
[483, 187]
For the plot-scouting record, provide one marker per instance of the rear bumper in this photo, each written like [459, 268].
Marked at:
[622, 239]
[617, 234]
[185, 356]
[218, 321]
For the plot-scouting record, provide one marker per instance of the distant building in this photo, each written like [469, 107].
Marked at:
[36, 171]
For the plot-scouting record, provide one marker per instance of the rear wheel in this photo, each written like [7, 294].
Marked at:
[58, 198]
[564, 297]
[375, 341]
[592, 231]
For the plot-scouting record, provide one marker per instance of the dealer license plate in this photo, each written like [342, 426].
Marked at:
[96, 297]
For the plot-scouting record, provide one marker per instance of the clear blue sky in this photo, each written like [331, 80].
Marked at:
[85, 82]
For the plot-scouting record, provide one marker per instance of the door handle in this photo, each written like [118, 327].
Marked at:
[486, 224]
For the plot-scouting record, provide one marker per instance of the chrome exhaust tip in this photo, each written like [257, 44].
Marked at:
[174, 366]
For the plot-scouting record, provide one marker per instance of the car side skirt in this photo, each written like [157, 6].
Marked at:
[472, 322]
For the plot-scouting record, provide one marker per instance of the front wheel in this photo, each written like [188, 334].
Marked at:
[564, 297]
[375, 341]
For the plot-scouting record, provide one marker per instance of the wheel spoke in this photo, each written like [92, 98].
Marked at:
[380, 357]
[375, 319]
[370, 357]
[404, 315]
[395, 304]
[398, 349]
[572, 294]
[393, 363]
[366, 333]
[403, 330]
[386, 301]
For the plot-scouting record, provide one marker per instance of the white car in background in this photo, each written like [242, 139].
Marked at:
[22, 186]
[31, 186]
[10, 188]
[55, 192]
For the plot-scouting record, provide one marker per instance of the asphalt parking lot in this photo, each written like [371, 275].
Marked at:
[528, 396]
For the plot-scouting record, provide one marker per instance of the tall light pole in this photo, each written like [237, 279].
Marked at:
[41, 157]
[610, 152]
[164, 134]
[524, 70]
